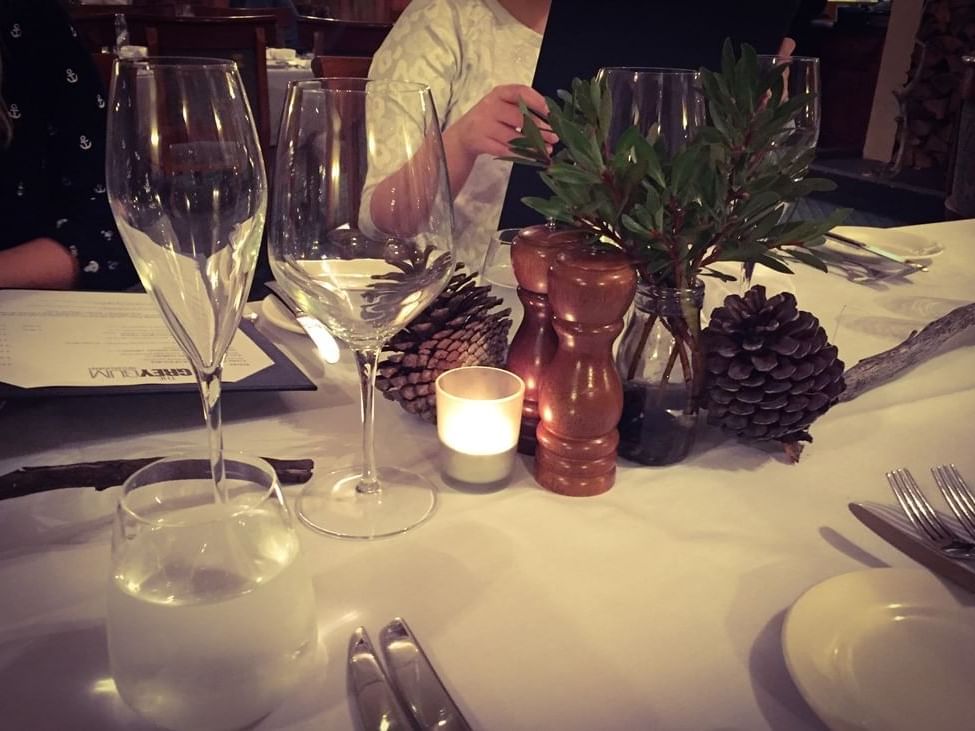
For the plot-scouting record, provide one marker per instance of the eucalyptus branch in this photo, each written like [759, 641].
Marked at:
[710, 201]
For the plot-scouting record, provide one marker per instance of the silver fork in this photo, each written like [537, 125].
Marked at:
[919, 511]
[957, 495]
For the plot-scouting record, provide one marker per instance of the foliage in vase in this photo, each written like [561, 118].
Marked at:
[718, 198]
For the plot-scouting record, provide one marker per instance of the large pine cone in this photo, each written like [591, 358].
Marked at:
[456, 329]
[770, 370]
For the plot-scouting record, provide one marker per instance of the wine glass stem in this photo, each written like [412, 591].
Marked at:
[210, 392]
[367, 361]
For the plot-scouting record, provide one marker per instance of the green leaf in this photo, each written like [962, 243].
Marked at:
[808, 258]
[763, 201]
[529, 130]
[728, 59]
[773, 263]
[549, 208]
[635, 226]
[523, 161]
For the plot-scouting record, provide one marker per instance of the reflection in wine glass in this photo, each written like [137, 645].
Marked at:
[361, 237]
[497, 269]
[498, 272]
[187, 187]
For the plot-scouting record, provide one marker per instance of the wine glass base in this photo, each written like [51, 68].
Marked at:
[331, 504]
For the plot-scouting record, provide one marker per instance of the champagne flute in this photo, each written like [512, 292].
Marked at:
[187, 187]
[801, 76]
[361, 237]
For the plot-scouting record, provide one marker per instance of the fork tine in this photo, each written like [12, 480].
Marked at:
[900, 481]
[962, 491]
[956, 494]
[895, 480]
[924, 506]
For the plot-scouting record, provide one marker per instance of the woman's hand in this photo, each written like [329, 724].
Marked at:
[488, 127]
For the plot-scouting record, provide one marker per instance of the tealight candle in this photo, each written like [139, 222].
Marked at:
[478, 420]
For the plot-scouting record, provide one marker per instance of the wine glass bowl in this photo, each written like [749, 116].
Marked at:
[188, 191]
[497, 269]
[666, 102]
[211, 613]
[361, 237]
[800, 76]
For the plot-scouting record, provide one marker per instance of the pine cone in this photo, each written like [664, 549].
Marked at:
[456, 329]
[770, 370]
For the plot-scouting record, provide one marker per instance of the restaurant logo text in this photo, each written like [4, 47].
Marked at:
[132, 372]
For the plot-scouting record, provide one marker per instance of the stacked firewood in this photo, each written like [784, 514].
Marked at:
[931, 99]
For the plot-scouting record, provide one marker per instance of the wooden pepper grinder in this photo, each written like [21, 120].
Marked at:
[581, 397]
[532, 253]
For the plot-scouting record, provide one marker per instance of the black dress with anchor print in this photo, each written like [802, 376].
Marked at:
[52, 173]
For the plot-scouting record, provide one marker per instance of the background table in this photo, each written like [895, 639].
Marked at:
[278, 78]
[658, 605]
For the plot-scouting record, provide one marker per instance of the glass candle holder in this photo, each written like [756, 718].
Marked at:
[478, 421]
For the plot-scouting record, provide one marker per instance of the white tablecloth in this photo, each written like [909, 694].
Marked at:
[658, 605]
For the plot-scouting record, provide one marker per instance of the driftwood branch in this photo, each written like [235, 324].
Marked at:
[918, 347]
[101, 475]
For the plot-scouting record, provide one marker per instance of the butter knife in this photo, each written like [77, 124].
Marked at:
[416, 682]
[379, 709]
[907, 542]
[319, 334]
[877, 251]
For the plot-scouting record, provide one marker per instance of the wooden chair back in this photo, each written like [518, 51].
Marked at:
[97, 30]
[156, 8]
[242, 39]
[341, 66]
[373, 11]
[196, 4]
[282, 17]
[104, 63]
[331, 37]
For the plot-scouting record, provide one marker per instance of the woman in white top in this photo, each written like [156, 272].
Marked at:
[478, 57]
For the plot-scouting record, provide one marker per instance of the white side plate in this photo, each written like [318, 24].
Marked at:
[886, 649]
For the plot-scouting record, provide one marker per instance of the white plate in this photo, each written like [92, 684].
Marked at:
[885, 649]
[278, 315]
[902, 243]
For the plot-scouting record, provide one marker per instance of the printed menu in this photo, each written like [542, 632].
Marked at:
[96, 340]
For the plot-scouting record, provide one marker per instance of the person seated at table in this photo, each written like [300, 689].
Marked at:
[477, 57]
[581, 38]
[57, 228]
[290, 28]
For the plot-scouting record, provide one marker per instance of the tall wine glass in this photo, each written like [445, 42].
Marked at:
[187, 187]
[361, 237]
[801, 76]
[667, 99]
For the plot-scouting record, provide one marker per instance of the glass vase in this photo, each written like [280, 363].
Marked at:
[659, 359]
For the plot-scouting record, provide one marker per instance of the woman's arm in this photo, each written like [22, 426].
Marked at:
[38, 264]
[76, 107]
[486, 129]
